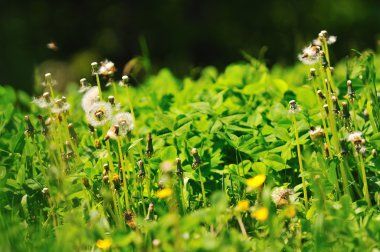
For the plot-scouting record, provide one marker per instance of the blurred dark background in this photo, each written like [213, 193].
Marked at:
[180, 34]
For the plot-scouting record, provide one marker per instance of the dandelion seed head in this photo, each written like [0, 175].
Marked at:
[355, 137]
[310, 55]
[99, 113]
[125, 122]
[282, 196]
[316, 133]
[60, 106]
[44, 101]
[106, 68]
[90, 97]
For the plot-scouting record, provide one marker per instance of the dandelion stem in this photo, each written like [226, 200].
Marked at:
[202, 186]
[300, 162]
[364, 178]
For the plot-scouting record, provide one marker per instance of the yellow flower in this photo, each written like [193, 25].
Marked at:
[242, 206]
[290, 211]
[164, 193]
[260, 214]
[104, 244]
[256, 181]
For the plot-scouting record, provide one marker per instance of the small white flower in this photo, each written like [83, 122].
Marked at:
[99, 113]
[44, 101]
[90, 97]
[125, 122]
[355, 137]
[310, 55]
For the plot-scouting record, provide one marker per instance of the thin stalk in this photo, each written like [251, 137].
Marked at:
[364, 178]
[127, 206]
[202, 186]
[300, 162]
[241, 225]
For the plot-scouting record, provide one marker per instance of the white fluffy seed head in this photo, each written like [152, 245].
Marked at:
[355, 137]
[60, 106]
[89, 98]
[125, 122]
[99, 113]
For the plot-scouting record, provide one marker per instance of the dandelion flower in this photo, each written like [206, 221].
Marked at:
[256, 181]
[104, 244]
[125, 122]
[44, 101]
[290, 211]
[310, 55]
[89, 98]
[164, 193]
[260, 214]
[242, 206]
[99, 113]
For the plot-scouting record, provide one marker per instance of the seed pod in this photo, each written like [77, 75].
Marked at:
[125, 80]
[94, 66]
[324, 60]
[326, 107]
[326, 150]
[98, 144]
[129, 219]
[91, 128]
[141, 174]
[149, 145]
[105, 179]
[179, 167]
[196, 158]
[86, 182]
[150, 215]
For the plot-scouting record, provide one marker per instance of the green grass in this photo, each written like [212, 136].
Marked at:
[57, 196]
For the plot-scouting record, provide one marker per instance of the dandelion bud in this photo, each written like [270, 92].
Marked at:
[149, 145]
[179, 167]
[374, 152]
[129, 219]
[321, 95]
[350, 91]
[116, 181]
[312, 73]
[111, 100]
[29, 127]
[343, 147]
[326, 147]
[44, 128]
[346, 112]
[141, 174]
[94, 66]
[150, 215]
[336, 107]
[326, 107]
[196, 158]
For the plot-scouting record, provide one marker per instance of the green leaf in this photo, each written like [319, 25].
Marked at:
[169, 153]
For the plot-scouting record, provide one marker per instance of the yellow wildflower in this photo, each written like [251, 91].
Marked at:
[256, 181]
[104, 244]
[260, 214]
[290, 211]
[242, 206]
[164, 193]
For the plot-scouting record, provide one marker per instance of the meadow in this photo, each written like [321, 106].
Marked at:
[247, 159]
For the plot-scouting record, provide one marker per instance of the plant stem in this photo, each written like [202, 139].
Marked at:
[202, 186]
[300, 162]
